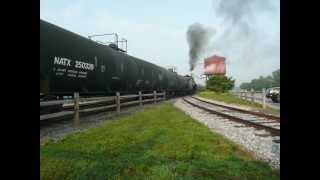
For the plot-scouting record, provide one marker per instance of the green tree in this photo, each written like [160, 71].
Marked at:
[263, 82]
[220, 83]
[245, 86]
[276, 78]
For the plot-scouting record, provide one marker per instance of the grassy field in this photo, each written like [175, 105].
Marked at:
[158, 143]
[230, 99]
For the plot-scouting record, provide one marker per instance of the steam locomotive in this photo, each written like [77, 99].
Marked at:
[72, 63]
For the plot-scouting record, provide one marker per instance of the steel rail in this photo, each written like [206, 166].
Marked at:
[272, 130]
[241, 110]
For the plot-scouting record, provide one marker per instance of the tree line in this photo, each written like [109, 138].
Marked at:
[263, 82]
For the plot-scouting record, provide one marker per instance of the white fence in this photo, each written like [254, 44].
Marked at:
[254, 96]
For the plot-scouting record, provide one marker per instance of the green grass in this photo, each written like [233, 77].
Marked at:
[230, 99]
[158, 143]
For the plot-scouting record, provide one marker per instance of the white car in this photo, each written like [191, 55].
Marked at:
[274, 94]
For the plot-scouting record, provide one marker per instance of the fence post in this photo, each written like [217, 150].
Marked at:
[154, 97]
[164, 95]
[252, 95]
[140, 98]
[245, 94]
[118, 102]
[76, 110]
[264, 98]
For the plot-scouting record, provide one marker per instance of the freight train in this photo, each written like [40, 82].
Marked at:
[71, 63]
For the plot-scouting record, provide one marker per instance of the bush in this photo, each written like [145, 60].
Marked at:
[220, 83]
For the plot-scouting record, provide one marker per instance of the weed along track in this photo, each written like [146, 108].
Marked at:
[259, 121]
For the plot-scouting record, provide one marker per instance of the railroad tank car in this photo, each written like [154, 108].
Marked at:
[72, 63]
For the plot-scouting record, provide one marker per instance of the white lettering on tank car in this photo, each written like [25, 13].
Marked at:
[78, 64]
[62, 61]
[72, 71]
[61, 70]
[59, 73]
[83, 65]
[72, 75]
[82, 76]
[82, 72]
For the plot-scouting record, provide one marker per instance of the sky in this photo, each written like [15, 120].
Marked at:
[246, 32]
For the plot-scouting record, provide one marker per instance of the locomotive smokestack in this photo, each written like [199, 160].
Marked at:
[198, 38]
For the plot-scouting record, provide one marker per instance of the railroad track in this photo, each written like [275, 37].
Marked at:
[253, 119]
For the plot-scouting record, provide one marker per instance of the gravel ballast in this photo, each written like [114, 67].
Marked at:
[259, 142]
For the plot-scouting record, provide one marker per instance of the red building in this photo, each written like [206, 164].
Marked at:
[215, 65]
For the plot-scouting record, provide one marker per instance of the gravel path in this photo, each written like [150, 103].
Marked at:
[259, 142]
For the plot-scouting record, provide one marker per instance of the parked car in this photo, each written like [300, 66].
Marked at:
[273, 94]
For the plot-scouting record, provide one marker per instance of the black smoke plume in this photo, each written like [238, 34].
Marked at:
[198, 38]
